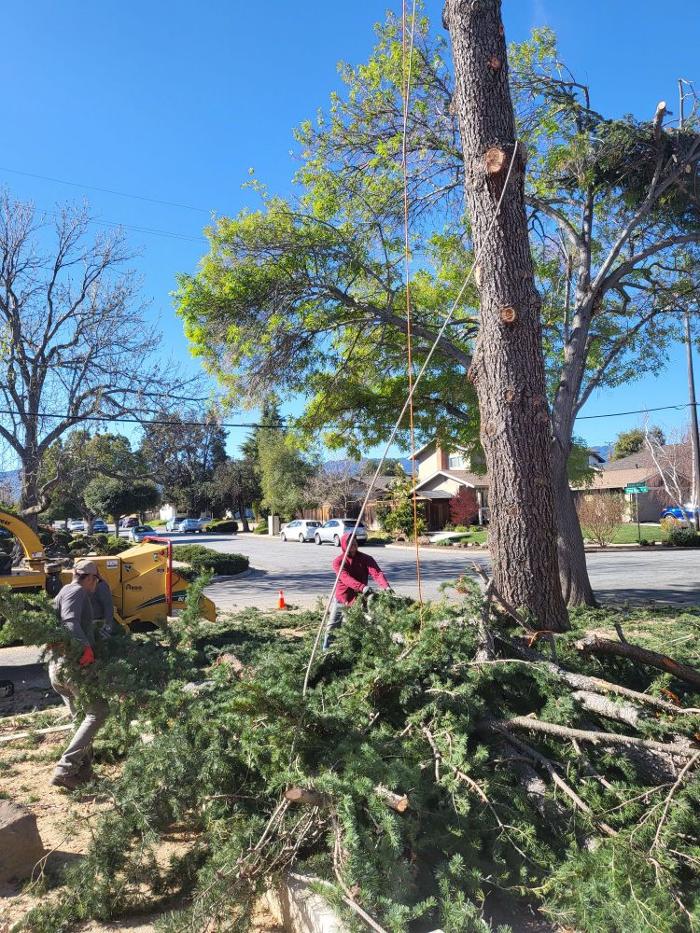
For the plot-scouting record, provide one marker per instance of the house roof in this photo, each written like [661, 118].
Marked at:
[618, 479]
[643, 458]
[449, 447]
[433, 494]
[460, 476]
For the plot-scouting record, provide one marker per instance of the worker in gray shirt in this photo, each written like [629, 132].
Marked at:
[74, 607]
[103, 609]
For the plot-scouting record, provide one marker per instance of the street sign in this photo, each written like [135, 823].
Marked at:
[636, 488]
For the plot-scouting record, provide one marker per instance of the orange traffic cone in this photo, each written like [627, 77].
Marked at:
[281, 604]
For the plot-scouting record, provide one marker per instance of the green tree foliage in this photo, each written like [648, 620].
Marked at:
[71, 465]
[117, 497]
[631, 442]
[308, 296]
[235, 486]
[402, 705]
[183, 453]
[396, 516]
[284, 470]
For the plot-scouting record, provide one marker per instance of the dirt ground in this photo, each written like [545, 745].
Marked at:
[65, 820]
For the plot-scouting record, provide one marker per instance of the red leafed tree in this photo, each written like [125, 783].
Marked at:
[464, 507]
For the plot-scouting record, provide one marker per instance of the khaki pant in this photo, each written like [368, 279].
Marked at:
[79, 751]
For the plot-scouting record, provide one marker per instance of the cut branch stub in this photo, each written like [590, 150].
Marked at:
[509, 315]
[496, 160]
[495, 63]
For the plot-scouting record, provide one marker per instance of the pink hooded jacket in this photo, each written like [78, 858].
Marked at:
[356, 573]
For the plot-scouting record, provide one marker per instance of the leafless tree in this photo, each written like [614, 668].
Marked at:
[674, 464]
[74, 342]
[599, 514]
[336, 484]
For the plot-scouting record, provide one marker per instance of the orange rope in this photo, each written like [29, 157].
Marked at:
[407, 63]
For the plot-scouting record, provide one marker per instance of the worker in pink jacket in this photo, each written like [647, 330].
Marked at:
[354, 577]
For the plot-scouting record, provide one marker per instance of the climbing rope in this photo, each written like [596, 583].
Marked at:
[407, 68]
[407, 404]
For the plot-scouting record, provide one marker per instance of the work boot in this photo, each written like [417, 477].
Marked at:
[68, 781]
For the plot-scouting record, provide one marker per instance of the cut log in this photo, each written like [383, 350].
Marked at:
[601, 706]
[307, 796]
[398, 802]
[594, 644]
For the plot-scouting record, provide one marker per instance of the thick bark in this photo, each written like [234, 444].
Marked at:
[573, 573]
[507, 368]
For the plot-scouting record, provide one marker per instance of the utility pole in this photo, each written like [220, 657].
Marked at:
[694, 436]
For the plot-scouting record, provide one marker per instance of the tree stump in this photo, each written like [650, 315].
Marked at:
[20, 842]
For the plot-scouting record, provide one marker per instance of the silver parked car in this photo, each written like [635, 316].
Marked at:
[301, 529]
[333, 530]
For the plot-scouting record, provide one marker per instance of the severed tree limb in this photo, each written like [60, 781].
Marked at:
[549, 766]
[619, 712]
[595, 644]
[593, 684]
[532, 724]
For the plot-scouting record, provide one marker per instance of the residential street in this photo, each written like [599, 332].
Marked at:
[303, 571]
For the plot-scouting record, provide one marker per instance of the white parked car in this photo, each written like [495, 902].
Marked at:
[75, 524]
[301, 529]
[333, 530]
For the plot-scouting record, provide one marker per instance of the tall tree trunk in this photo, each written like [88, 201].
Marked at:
[508, 367]
[573, 573]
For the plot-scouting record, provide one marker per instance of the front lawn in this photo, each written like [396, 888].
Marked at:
[627, 533]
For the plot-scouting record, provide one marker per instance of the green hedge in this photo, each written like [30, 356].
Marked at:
[223, 526]
[683, 537]
[205, 560]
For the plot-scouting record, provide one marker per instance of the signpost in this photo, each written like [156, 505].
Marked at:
[634, 489]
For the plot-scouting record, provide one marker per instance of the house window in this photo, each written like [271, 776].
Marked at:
[456, 462]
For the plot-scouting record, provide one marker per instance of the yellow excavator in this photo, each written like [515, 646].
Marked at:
[145, 586]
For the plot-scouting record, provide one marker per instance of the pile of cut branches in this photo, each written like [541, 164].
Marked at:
[447, 764]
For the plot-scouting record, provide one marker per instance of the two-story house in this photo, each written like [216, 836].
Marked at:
[441, 473]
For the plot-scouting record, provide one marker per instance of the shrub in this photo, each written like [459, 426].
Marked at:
[599, 515]
[224, 526]
[260, 528]
[683, 537]
[205, 560]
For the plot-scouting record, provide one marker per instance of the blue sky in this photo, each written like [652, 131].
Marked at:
[176, 101]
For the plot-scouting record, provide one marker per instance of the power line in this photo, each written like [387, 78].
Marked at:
[121, 194]
[637, 411]
[279, 425]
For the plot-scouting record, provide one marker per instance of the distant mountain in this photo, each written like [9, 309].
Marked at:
[355, 467]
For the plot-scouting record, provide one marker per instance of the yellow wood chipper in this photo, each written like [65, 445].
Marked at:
[145, 586]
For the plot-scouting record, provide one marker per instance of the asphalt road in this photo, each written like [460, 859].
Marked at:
[304, 572]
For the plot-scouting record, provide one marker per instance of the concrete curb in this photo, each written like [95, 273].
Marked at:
[301, 910]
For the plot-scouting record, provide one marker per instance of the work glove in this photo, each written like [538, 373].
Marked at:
[87, 657]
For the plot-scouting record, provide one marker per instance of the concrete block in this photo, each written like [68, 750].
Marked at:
[20, 842]
[301, 910]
